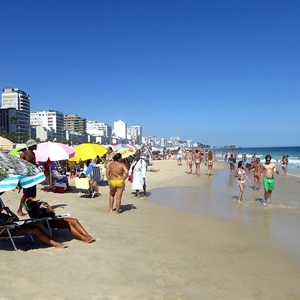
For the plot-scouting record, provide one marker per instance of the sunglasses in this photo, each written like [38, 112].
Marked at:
[268, 160]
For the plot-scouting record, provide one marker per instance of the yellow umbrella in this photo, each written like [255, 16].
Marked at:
[126, 152]
[88, 151]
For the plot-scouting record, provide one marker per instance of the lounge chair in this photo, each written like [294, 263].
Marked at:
[83, 185]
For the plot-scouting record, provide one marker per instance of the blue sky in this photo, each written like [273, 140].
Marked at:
[218, 72]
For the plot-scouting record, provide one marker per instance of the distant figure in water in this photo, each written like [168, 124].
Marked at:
[242, 177]
[269, 169]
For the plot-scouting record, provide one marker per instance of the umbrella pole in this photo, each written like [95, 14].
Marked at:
[50, 177]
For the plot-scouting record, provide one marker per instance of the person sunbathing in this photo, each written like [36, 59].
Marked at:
[41, 209]
[37, 228]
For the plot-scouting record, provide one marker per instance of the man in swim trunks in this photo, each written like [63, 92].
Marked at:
[116, 174]
[28, 155]
[269, 168]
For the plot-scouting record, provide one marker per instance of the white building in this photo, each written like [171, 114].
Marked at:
[15, 98]
[51, 120]
[120, 129]
[163, 142]
[151, 140]
[135, 133]
[98, 129]
[189, 143]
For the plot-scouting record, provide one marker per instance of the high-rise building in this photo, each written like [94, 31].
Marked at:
[163, 142]
[120, 129]
[98, 129]
[7, 118]
[189, 143]
[15, 98]
[73, 123]
[135, 133]
[51, 119]
[151, 140]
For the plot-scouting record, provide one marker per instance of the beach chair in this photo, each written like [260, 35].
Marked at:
[83, 185]
[97, 174]
[9, 227]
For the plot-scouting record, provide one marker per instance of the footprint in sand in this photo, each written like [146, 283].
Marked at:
[160, 282]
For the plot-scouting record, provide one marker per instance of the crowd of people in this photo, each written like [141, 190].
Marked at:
[133, 168]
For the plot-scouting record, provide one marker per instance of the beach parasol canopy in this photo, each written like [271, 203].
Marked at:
[88, 151]
[16, 151]
[53, 151]
[14, 171]
[126, 152]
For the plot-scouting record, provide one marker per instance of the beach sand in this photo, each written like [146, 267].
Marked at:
[149, 251]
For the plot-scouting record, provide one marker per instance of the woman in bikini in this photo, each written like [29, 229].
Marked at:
[284, 165]
[210, 163]
[242, 177]
[198, 159]
[190, 161]
[257, 174]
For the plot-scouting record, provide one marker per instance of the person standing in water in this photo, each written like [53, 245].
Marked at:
[210, 163]
[269, 168]
[116, 174]
[242, 177]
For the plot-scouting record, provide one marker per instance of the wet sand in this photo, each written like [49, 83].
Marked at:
[152, 251]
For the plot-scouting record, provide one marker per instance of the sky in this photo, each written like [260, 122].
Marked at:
[216, 72]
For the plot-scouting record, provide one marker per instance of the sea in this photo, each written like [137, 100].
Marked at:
[276, 153]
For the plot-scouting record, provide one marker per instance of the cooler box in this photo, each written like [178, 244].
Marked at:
[60, 187]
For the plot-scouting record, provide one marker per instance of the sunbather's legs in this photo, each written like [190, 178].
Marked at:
[41, 226]
[74, 227]
[39, 234]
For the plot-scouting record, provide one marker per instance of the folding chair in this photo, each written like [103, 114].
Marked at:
[97, 175]
[83, 185]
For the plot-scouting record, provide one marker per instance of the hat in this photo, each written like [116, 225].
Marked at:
[31, 143]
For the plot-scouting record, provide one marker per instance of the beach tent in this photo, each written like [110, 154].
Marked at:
[6, 144]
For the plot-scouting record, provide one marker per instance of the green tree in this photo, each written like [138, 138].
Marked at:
[4, 134]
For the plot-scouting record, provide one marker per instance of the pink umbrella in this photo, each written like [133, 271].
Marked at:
[53, 151]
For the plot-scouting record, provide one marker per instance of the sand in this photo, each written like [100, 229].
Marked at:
[147, 252]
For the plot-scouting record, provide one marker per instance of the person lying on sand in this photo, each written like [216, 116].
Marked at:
[41, 209]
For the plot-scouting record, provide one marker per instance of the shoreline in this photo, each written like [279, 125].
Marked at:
[149, 251]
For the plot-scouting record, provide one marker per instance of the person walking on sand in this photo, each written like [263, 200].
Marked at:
[138, 170]
[29, 156]
[269, 168]
[210, 163]
[179, 157]
[242, 177]
[198, 158]
[189, 161]
[257, 166]
[116, 174]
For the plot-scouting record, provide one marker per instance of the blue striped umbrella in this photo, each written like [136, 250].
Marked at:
[14, 171]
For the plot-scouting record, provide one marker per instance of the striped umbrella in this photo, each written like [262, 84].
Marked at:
[14, 171]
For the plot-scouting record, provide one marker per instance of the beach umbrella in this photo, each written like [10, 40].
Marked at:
[53, 151]
[16, 151]
[88, 151]
[126, 152]
[137, 146]
[14, 171]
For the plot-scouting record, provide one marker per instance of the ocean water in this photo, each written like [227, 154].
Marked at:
[276, 153]
[279, 223]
